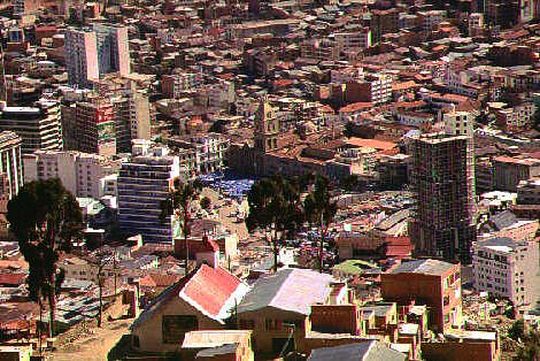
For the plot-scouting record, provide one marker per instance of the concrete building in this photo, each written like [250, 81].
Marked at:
[113, 49]
[442, 176]
[131, 110]
[509, 171]
[89, 125]
[174, 85]
[507, 268]
[81, 57]
[144, 182]
[431, 19]
[11, 165]
[384, 22]
[373, 88]
[434, 283]
[39, 127]
[81, 173]
[201, 154]
[359, 38]
[92, 53]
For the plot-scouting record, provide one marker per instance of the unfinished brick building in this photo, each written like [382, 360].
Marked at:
[442, 176]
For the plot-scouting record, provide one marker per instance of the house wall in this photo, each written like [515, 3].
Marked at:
[263, 335]
[443, 298]
[150, 332]
[453, 351]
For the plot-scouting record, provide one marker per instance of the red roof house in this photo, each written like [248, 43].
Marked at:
[202, 300]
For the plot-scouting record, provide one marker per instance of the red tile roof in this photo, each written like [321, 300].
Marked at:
[210, 288]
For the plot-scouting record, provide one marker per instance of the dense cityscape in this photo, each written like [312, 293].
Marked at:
[293, 180]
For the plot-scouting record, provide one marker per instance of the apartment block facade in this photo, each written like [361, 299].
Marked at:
[442, 176]
[89, 125]
[143, 184]
[39, 127]
[11, 165]
[92, 53]
[81, 173]
[507, 268]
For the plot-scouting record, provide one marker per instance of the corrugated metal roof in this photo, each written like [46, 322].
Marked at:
[365, 351]
[424, 266]
[289, 289]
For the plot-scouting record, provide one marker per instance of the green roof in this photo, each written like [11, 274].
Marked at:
[354, 266]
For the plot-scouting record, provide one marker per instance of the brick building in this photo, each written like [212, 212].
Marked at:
[434, 283]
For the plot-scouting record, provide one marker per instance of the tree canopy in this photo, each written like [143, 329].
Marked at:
[45, 218]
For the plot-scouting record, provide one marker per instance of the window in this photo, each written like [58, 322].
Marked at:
[174, 327]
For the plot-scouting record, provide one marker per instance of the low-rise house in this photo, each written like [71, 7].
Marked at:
[204, 299]
[277, 308]
[223, 345]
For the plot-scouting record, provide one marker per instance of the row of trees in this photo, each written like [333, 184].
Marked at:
[280, 207]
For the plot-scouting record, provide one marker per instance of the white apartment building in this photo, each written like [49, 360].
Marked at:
[11, 165]
[506, 268]
[381, 87]
[201, 155]
[80, 173]
[458, 123]
[144, 183]
[357, 39]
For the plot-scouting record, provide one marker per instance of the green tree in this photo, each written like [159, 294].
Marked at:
[206, 203]
[275, 207]
[45, 218]
[180, 204]
[530, 350]
[517, 330]
[320, 211]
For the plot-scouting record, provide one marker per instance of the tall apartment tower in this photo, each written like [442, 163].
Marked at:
[89, 125]
[442, 176]
[11, 166]
[81, 57]
[113, 49]
[266, 127]
[144, 182]
[131, 117]
[39, 127]
[92, 53]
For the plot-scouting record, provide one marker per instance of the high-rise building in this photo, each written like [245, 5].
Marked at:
[113, 49]
[442, 176]
[39, 127]
[81, 57]
[143, 184]
[11, 166]
[90, 125]
[92, 53]
[132, 118]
